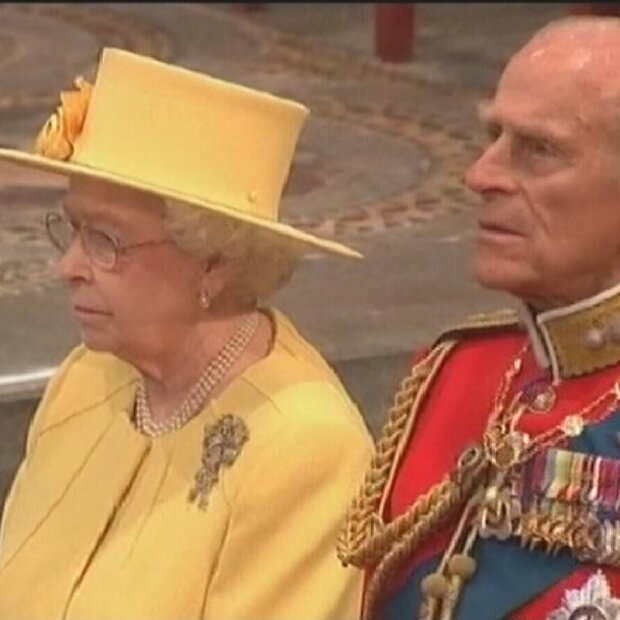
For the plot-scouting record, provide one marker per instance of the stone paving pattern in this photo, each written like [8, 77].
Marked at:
[379, 165]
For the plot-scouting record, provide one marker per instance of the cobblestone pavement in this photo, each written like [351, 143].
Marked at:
[378, 167]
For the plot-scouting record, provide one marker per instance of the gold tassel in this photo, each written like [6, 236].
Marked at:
[461, 568]
[434, 588]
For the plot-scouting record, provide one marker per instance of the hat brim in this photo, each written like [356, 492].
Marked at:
[74, 169]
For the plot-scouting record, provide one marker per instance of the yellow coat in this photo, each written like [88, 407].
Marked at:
[98, 524]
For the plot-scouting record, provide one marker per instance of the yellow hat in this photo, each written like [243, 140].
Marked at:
[178, 134]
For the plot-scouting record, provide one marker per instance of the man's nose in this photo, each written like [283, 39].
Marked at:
[74, 263]
[492, 171]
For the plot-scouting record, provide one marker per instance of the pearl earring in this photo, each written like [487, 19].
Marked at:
[205, 299]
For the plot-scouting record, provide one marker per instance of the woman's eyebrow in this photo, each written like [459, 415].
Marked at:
[93, 217]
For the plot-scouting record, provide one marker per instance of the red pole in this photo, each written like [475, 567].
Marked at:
[248, 7]
[596, 8]
[394, 30]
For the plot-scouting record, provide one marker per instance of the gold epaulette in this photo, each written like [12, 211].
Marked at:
[480, 324]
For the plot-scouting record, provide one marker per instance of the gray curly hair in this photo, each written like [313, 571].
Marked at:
[265, 260]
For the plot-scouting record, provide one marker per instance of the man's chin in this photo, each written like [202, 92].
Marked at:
[496, 279]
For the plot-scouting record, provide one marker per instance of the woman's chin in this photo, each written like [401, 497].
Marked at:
[97, 341]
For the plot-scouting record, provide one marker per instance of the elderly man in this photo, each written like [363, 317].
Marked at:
[495, 490]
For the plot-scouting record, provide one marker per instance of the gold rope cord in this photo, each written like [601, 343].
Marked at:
[365, 538]
[428, 513]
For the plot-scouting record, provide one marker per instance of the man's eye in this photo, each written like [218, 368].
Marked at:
[538, 147]
[493, 132]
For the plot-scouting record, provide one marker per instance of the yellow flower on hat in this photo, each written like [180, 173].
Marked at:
[63, 127]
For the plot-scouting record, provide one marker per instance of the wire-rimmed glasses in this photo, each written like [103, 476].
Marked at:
[102, 249]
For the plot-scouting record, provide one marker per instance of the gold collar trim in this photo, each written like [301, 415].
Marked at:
[577, 339]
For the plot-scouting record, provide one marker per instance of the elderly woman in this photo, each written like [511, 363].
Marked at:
[194, 457]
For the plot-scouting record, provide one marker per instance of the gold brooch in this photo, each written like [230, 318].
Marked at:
[57, 137]
[221, 445]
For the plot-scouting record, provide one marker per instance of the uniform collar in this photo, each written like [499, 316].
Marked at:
[577, 339]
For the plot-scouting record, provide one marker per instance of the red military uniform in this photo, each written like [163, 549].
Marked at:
[555, 377]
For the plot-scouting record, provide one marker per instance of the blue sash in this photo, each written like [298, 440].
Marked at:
[507, 576]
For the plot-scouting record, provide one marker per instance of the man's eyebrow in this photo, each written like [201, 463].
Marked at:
[537, 131]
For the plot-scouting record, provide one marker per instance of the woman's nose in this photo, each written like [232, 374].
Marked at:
[74, 263]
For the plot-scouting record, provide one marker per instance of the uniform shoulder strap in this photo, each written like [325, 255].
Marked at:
[476, 325]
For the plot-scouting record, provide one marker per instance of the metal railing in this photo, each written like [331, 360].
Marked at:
[25, 385]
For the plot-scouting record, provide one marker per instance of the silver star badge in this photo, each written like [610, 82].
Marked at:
[593, 601]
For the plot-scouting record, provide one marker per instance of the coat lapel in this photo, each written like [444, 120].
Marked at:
[81, 465]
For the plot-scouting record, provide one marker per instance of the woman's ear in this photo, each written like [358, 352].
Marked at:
[218, 273]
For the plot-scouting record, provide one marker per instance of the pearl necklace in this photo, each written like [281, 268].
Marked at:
[201, 391]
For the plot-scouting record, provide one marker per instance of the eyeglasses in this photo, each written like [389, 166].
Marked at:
[101, 248]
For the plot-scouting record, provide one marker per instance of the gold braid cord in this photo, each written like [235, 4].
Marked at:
[365, 539]
[427, 514]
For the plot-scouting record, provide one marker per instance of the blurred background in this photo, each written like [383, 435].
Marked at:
[393, 92]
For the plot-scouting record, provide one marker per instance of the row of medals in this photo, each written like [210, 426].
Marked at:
[501, 515]
[546, 524]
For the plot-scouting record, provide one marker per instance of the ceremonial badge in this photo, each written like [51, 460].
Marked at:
[593, 601]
